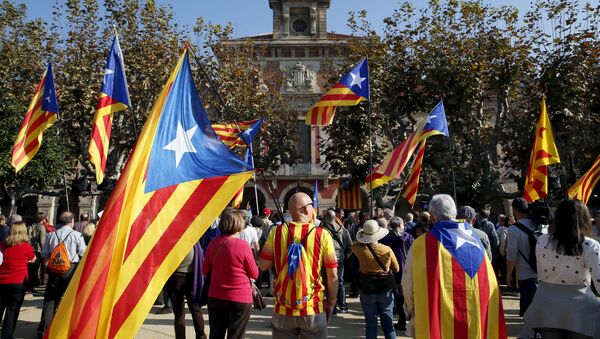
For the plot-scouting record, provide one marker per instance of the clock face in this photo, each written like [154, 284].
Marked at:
[299, 26]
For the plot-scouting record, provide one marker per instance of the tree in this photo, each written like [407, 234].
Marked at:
[24, 48]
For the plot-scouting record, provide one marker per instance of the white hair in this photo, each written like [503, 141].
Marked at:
[409, 217]
[442, 207]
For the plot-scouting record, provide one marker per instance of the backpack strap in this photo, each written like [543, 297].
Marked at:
[377, 258]
[65, 238]
[334, 235]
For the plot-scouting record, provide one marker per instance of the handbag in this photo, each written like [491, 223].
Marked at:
[206, 285]
[257, 299]
[376, 282]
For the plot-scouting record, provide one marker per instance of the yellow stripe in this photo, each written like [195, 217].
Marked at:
[338, 103]
[172, 261]
[494, 306]
[446, 293]
[421, 303]
[43, 127]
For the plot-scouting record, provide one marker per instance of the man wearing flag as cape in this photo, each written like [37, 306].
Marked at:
[450, 289]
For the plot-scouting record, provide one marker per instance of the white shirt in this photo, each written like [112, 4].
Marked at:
[562, 269]
[249, 235]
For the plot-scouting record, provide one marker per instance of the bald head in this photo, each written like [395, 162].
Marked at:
[300, 207]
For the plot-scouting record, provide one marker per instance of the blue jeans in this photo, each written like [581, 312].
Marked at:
[341, 295]
[381, 304]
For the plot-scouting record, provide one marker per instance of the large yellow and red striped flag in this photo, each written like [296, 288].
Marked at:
[409, 192]
[583, 188]
[393, 164]
[114, 97]
[543, 153]
[352, 88]
[41, 114]
[178, 179]
[456, 294]
[230, 133]
[351, 198]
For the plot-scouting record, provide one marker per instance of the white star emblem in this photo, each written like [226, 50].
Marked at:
[182, 143]
[106, 73]
[357, 79]
[463, 236]
[431, 117]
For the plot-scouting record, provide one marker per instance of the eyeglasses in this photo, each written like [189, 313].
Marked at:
[309, 204]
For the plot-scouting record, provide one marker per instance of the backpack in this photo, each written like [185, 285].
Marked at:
[532, 237]
[59, 261]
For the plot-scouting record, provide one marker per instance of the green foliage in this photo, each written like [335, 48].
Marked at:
[490, 69]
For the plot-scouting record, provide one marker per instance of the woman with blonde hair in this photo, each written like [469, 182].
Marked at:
[17, 253]
[232, 267]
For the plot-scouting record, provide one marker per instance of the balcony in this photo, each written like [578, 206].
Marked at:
[302, 169]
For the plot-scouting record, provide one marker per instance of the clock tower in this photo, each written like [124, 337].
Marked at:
[299, 18]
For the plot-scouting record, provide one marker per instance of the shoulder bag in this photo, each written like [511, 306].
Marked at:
[376, 282]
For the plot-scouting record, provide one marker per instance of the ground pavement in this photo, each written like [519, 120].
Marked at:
[159, 326]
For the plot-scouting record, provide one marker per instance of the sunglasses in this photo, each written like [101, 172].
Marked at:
[309, 204]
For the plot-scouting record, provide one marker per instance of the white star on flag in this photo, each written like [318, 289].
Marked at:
[107, 71]
[182, 143]
[431, 117]
[463, 236]
[357, 79]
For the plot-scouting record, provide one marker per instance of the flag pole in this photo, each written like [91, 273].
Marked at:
[370, 152]
[254, 179]
[450, 135]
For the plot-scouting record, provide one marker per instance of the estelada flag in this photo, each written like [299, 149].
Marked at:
[230, 132]
[350, 198]
[543, 153]
[394, 163]
[409, 192]
[455, 291]
[41, 114]
[178, 179]
[114, 97]
[352, 88]
[583, 188]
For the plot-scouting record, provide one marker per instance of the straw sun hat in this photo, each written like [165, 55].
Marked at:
[371, 232]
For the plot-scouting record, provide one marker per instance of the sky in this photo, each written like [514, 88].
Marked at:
[251, 17]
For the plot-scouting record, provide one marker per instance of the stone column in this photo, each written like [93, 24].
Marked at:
[87, 204]
[48, 205]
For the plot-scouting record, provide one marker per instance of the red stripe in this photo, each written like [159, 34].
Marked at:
[461, 319]
[340, 97]
[40, 118]
[103, 241]
[484, 297]
[587, 183]
[105, 101]
[433, 285]
[314, 115]
[324, 114]
[97, 139]
[501, 321]
[30, 147]
[318, 234]
[182, 219]
[147, 216]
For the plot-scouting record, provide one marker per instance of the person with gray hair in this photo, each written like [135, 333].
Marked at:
[400, 242]
[438, 266]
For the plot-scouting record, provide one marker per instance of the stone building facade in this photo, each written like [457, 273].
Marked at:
[299, 57]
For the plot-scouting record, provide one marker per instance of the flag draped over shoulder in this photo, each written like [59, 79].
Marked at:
[543, 153]
[230, 133]
[583, 188]
[394, 163]
[409, 192]
[456, 294]
[352, 88]
[350, 199]
[177, 180]
[41, 114]
[114, 97]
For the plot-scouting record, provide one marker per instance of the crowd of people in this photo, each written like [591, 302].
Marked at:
[310, 262]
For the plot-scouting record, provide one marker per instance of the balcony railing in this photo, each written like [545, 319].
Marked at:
[302, 169]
